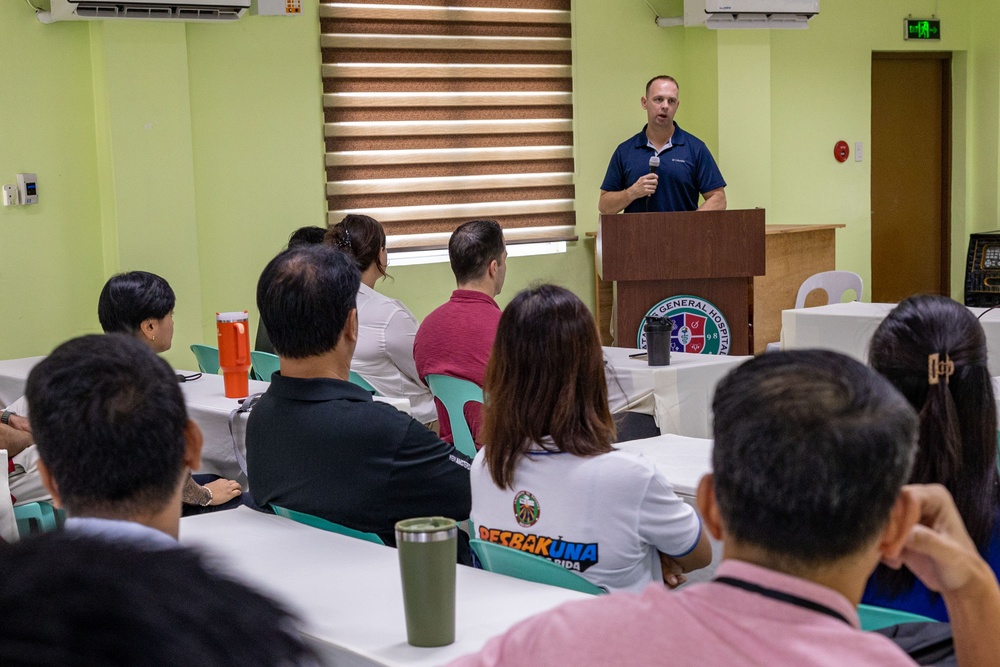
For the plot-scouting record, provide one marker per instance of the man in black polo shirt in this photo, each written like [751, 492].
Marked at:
[317, 443]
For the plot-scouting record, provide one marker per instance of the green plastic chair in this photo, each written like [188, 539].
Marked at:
[323, 524]
[208, 358]
[42, 515]
[363, 383]
[265, 364]
[876, 618]
[454, 394]
[522, 565]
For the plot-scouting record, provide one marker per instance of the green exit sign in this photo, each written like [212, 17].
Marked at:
[923, 29]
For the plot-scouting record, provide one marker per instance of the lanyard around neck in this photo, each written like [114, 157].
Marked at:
[780, 596]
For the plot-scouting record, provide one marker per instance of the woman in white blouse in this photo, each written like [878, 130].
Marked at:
[384, 355]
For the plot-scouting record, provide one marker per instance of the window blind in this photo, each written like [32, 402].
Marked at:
[442, 111]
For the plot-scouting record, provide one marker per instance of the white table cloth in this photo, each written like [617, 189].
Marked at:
[679, 396]
[207, 406]
[348, 592]
[848, 328]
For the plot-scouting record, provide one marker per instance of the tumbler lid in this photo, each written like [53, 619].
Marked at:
[426, 529]
[232, 316]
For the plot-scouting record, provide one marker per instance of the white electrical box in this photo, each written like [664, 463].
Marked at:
[276, 7]
[27, 189]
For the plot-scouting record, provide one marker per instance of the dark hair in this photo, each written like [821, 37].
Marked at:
[307, 235]
[109, 419]
[545, 379]
[361, 237]
[811, 451]
[304, 297]
[660, 77]
[129, 299]
[68, 599]
[958, 420]
[471, 248]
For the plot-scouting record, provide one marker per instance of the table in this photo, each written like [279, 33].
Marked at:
[13, 375]
[207, 406]
[679, 396]
[848, 328]
[347, 592]
[684, 461]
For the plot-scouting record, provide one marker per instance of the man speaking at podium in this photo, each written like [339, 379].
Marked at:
[663, 168]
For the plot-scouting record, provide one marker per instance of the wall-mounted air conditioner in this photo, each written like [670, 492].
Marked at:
[145, 10]
[764, 14]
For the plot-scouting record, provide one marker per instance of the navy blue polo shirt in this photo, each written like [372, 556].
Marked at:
[686, 170]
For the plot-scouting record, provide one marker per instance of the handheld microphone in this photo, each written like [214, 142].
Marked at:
[654, 164]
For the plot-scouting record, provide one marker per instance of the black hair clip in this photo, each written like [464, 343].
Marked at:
[188, 378]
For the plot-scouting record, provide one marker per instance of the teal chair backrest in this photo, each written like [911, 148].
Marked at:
[323, 524]
[454, 394]
[264, 364]
[208, 358]
[363, 383]
[876, 618]
[41, 514]
[514, 563]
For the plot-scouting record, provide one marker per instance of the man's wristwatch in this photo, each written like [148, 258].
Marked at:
[5, 416]
[207, 501]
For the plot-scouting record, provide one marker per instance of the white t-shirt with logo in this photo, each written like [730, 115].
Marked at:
[603, 517]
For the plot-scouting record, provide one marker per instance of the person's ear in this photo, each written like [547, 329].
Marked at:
[905, 513]
[642, 101]
[493, 269]
[351, 328]
[193, 441]
[708, 507]
[50, 484]
[148, 328]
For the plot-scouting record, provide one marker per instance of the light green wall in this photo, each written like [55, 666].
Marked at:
[50, 253]
[194, 150]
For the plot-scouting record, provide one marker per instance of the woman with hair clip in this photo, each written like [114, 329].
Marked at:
[934, 351]
[548, 481]
[384, 355]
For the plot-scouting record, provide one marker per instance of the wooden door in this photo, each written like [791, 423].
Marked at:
[910, 174]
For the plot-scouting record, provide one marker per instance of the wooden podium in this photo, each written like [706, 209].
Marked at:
[712, 255]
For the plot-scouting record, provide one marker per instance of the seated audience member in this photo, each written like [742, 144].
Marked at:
[811, 452]
[75, 600]
[301, 236]
[141, 304]
[933, 350]
[609, 515]
[384, 355]
[114, 438]
[316, 443]
[456, 338]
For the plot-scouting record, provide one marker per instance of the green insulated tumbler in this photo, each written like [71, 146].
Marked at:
[427, 554]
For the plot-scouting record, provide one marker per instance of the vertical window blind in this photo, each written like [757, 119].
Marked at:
[442, 111]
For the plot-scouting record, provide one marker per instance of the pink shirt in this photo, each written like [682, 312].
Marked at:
[456, 340]
[703, 624]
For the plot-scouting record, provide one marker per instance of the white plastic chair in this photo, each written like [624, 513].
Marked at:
[835, 283]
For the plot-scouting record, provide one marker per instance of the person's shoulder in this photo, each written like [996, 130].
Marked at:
[625, 464]
[637, 140]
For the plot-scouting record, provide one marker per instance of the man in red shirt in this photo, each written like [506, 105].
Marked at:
[457, 337]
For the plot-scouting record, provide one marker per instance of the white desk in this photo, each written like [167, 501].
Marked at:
[683, 460]
[848, 328]
[207, 406]
[13, 375]
[679, 396]
[348, 593]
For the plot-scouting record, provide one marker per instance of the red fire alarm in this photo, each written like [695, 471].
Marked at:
[841, 151]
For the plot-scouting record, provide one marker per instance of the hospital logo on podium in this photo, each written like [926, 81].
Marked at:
[699, 327]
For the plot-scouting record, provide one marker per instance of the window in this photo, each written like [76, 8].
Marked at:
[439, 112]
